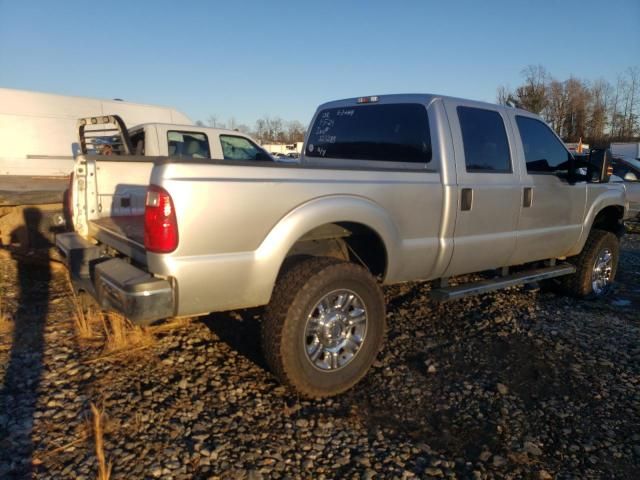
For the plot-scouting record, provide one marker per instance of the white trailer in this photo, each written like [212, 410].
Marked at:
[38, 131]
[626, 151]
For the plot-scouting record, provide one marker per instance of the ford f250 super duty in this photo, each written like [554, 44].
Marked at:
[389, 189]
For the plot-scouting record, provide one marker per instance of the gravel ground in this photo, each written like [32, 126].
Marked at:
[516, 384]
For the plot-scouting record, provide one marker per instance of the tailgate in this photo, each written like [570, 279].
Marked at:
[123, 233]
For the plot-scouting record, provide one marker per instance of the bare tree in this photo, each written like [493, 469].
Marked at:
[532, 95]
[232, 124]
[213, 121]
[556, 109]
[575, 120]
[504, 95]
[295, 132]
[270, 129]
[631, 102]
[616, 119]
[266, 129]
[597, 112]
[241, 127]
[260, 130]
[597, 122]
[276, 129]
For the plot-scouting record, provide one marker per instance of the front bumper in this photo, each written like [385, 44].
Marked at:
[115, 283]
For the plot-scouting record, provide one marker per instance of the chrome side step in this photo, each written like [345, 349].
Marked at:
[475, 288]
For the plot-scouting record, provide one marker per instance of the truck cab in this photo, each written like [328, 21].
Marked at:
[194, 142]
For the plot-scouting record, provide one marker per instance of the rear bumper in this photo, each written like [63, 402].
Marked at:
[116, 284]
[135, 293]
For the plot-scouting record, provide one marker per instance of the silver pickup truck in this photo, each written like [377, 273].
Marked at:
[389, 189]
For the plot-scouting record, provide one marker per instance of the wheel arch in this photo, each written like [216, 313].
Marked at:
[350, 241]
[348, 227]
[605, 214]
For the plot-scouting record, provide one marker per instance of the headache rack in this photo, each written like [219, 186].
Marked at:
[104, 135]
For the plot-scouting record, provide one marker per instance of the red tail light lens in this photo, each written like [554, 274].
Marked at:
[160, 224]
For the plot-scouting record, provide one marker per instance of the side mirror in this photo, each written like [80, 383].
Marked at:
[630, 177]
[600, 166]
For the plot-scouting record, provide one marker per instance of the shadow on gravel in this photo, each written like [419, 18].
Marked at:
[20, 387]
[241, 331]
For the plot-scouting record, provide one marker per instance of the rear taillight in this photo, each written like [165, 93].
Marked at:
[160, 225]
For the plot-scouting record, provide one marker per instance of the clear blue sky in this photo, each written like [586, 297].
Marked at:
[246, 59]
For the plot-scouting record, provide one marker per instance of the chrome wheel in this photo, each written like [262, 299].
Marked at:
[602, 272]
[335, 330]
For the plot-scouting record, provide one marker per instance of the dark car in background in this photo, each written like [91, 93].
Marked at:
[628, 171]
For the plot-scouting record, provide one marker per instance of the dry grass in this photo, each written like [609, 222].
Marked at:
[175, 323]
[121, 334]
[84, 320]
[6, 320]
[104, 468]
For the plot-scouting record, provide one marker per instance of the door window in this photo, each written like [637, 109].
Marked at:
[188, 144]
[543, 152]
[241, 149]
[486, 147]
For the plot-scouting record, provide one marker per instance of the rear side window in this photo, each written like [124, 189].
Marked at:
[188, 144]
[238, 148]
[543, 152]
[390, 133]
[137, 142]
[486, 148]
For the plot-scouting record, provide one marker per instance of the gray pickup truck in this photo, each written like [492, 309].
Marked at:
[389, 189]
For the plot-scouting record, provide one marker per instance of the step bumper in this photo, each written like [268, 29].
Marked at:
[116, 284]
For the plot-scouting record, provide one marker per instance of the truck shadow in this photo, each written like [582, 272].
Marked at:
[240, 330]
[20, 386]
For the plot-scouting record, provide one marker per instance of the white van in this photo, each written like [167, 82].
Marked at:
[39, 134]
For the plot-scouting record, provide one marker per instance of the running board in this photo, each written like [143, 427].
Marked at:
[475, 288]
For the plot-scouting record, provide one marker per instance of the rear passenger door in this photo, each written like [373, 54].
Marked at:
[488, 187]
[553, 209]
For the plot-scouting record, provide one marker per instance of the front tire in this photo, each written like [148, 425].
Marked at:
[596, 266]
[324, 326]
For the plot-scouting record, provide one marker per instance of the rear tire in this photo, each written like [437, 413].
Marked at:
[324, 326]
[596, 266]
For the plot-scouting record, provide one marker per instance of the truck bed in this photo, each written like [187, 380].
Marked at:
[124, 233]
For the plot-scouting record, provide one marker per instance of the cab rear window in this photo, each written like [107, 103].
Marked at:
[390, 133]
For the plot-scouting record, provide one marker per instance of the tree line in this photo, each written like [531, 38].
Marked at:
[266, 129]
[597, 112]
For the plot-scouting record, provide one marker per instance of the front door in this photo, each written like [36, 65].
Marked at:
[553, 211]
[489, 191]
